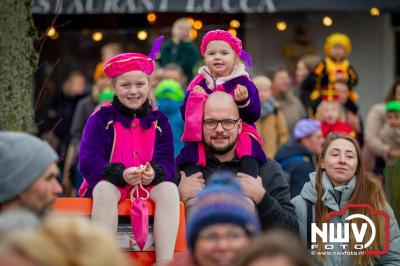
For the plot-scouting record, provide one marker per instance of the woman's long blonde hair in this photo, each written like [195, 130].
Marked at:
[367, 190]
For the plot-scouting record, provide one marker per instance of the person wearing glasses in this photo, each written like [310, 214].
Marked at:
[223, 71]
[222, 223]
[269, 192]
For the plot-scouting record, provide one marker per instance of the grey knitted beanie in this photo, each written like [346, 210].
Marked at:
[23, 158]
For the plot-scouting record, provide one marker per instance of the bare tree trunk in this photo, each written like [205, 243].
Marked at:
[18, 61]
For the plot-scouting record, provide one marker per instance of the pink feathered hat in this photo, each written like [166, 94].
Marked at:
[221, 35]
[233, 41]
[127, 62]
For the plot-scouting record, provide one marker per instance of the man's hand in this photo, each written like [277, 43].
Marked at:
[241, 93]
[133, 175]
[190, 185]
[252, 187]
[148, 174]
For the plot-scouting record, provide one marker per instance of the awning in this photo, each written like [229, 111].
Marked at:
[207, 6]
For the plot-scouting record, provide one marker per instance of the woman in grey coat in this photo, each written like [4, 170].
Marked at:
[339, 181]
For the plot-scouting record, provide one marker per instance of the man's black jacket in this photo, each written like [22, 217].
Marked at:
[275, 209]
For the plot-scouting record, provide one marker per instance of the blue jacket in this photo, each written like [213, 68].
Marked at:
[171, 109]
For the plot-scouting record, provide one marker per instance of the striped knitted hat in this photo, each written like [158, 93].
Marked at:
[222, 202]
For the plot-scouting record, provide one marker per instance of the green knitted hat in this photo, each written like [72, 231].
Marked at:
[106, 95]
[393, 106]
[169, 89]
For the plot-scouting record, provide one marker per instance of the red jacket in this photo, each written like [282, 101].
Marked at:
[338, 127]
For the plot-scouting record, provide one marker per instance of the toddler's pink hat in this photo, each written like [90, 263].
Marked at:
[233, 41]
[221, 35]
[127, 62]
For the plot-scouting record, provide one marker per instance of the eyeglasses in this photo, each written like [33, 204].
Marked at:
[213, 237]
[226, 124]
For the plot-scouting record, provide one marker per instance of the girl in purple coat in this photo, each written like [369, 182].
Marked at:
[223, 72]
[127, 151]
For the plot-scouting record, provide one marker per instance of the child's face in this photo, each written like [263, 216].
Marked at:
[393, 119]
[264, 91]
[132, 88]
[342, 91]
[220, 58]
[330, 113]
[338, 52]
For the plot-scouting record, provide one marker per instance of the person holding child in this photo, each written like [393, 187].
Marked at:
[127, 149]
[223, 72]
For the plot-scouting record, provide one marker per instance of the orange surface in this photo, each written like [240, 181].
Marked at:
[83, 206]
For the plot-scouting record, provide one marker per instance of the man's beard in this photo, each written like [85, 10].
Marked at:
[222, 150]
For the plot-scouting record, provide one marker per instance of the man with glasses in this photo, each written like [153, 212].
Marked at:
[269, 191]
